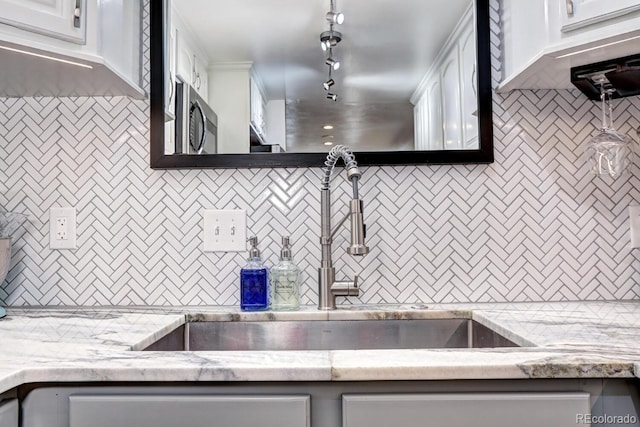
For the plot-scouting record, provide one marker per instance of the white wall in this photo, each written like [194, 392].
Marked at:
[533, 226]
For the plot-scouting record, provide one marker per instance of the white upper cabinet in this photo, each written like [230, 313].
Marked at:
[543, 39]
[70, 48]
[191, 63]
[169, 66]
[62, 19]
[583, 13]
[420, 118]
[434, 130]
[200, 77]
[451, 101]
[185, 56]
[469, 87]
[445, 102]
[258, 108]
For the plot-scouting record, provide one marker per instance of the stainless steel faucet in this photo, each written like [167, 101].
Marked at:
[328, 287]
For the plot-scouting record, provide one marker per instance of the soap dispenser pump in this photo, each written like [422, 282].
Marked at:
[285, 281]
[254, 281]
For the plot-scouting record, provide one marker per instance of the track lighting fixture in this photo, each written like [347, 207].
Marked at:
[328, 84]
[329, 40]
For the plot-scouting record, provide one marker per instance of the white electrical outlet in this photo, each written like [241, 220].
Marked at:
[225, 230]
[62, 228]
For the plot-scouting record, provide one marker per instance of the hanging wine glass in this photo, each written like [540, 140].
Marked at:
[610, 152]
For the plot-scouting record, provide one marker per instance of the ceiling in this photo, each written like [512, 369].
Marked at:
[387, 48]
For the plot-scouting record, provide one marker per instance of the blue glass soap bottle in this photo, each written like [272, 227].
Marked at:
[254, 281]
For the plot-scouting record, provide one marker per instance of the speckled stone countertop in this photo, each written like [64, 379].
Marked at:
[565, 340]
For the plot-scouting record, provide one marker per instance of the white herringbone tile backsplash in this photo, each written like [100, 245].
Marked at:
[533, 226]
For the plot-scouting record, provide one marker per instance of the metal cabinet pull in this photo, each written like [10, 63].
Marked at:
[171, 85]
[77, 13]
[570, 10]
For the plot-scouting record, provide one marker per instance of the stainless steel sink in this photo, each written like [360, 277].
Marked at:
[330, 335]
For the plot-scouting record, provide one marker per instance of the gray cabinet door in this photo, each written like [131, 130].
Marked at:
[189, 411]
[9, 413]
[465, 409]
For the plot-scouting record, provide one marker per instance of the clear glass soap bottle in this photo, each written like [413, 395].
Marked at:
[254, 281]
[285, 281]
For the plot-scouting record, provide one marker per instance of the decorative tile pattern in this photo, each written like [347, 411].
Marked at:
[533, 226]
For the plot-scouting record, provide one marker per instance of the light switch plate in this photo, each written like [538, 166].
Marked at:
[62, 228]
[225, 230]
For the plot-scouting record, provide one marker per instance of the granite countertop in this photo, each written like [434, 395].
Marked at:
[565, 340]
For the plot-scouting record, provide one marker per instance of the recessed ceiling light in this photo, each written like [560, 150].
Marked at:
[327, 139]
[327, 127]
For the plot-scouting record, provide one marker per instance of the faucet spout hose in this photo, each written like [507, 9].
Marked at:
[350, 164]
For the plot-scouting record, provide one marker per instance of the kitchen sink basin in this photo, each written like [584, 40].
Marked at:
[330, 335]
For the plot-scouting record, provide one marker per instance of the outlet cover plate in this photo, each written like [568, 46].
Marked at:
[62, 228]
[225, 230]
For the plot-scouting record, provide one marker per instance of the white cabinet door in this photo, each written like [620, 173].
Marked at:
[184, 58]
[451, 102]
[62, 19]
[582, 13]
[469, 94]
[200, 78]
[189, 67]
[420, 117]
[434, 125]
[169, 65]
[258, 107]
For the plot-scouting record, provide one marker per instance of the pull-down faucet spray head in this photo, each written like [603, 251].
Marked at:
[358, 229]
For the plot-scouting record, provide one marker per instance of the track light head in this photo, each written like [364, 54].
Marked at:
[329, 39]
[332, 96]
[335, 17]
[332, 63]
[328, 84]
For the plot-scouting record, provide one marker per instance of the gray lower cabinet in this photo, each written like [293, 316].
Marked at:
[9, 410]
[493, 403]
[466, 409]
[188, 411]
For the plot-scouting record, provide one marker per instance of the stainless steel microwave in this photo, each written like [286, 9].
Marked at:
[196, 123]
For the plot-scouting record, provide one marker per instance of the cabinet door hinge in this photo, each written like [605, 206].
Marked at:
[77, 13]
